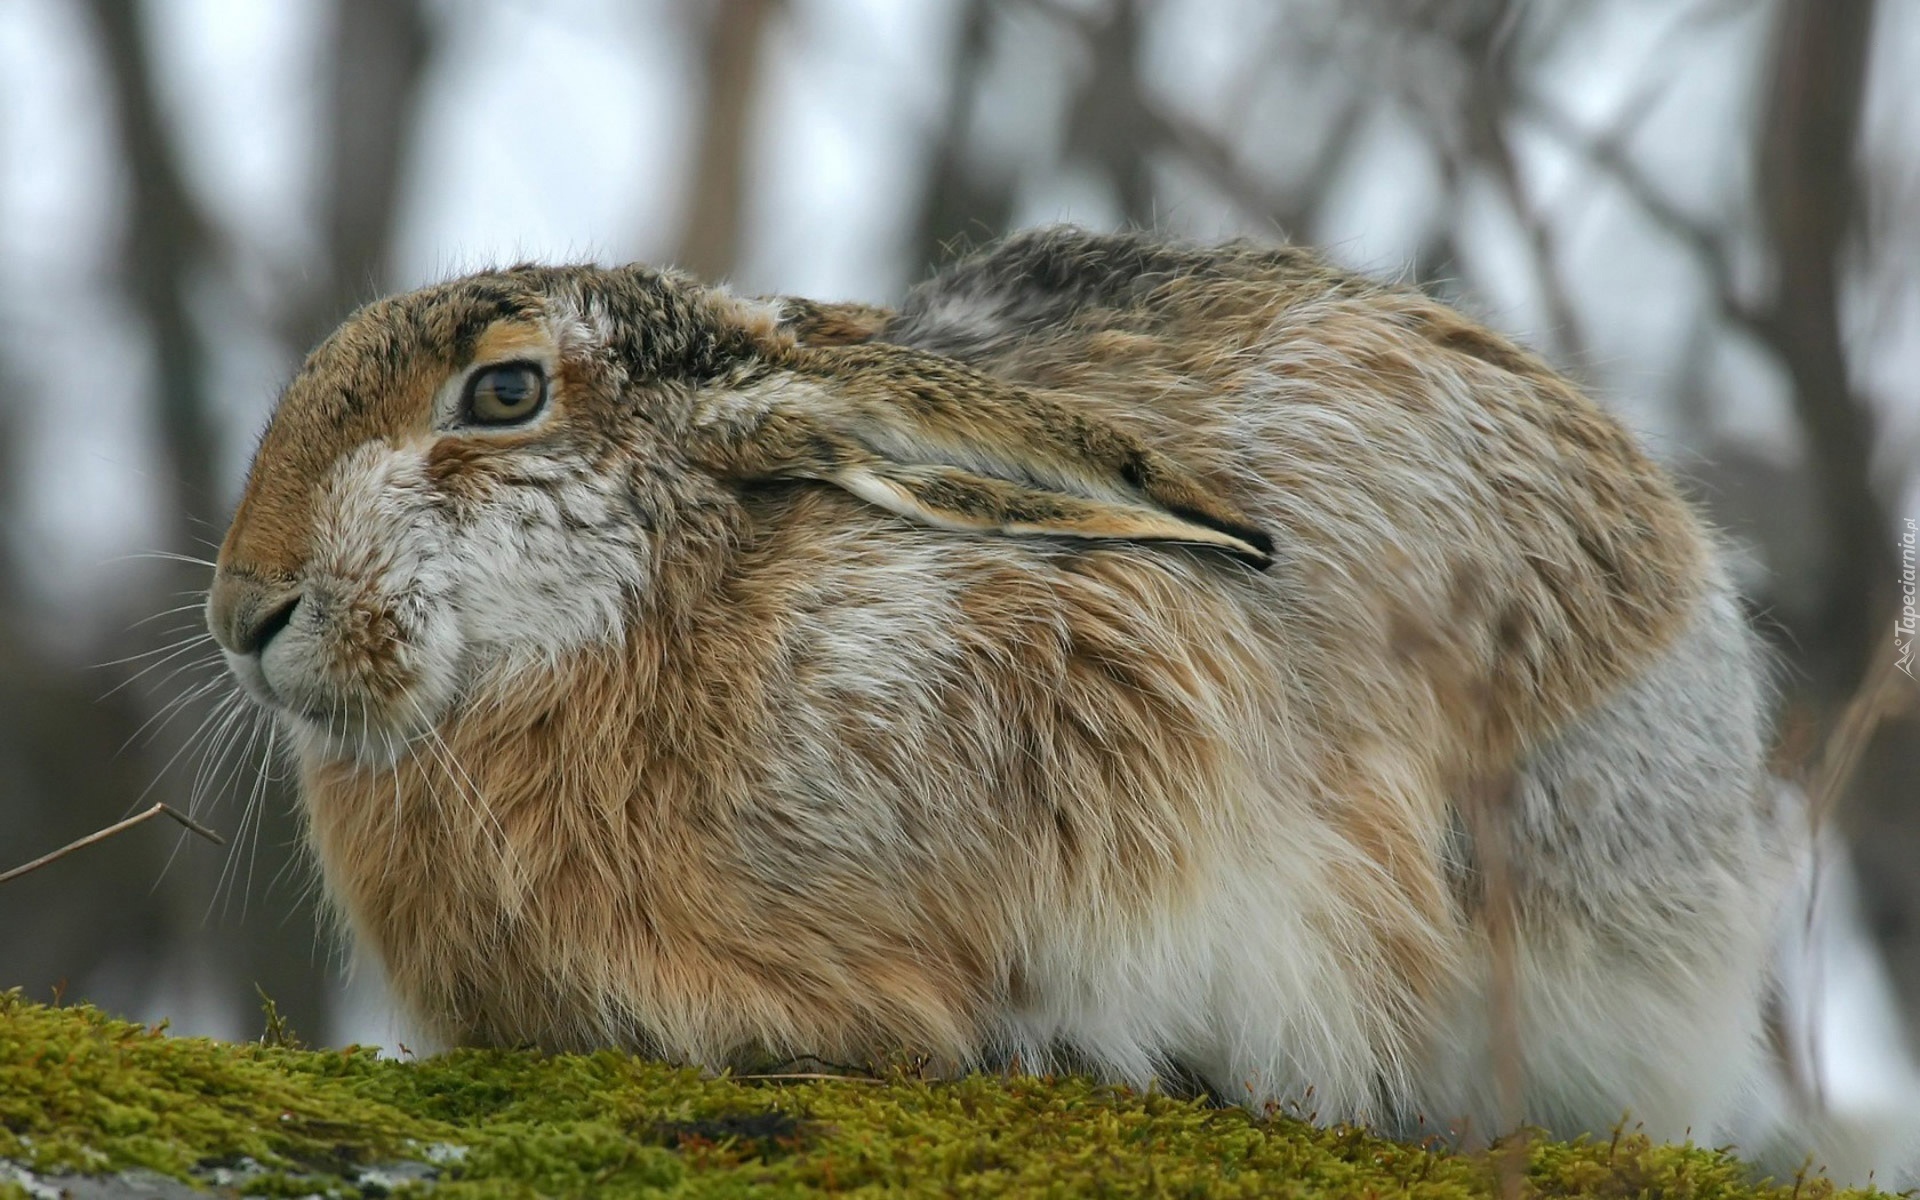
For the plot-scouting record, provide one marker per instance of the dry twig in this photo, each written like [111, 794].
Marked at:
[808, 1077]
[1877, 698]
[101, 835]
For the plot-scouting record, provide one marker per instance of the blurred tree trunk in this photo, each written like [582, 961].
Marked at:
[1809, 197]
[710, 235]
[375, 67]
[60, 775]
[958, 201]
[10, 499]
[1811, 202]
[1110, 120]
[169, 252]
[168, 242]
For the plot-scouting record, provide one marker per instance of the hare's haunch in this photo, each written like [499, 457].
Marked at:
[1097, 660]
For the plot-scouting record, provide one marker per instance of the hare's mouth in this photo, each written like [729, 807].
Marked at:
[347, 736]
[336, 720]
[345, 697]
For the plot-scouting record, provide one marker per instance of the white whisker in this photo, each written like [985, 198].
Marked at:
[470, 793]
[165, 556]
[176, 650]
[228, 871]
[167, 712]
[194, 607]
[204, 735]
[200, 731]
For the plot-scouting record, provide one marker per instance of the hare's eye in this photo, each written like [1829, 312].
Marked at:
[506, 394]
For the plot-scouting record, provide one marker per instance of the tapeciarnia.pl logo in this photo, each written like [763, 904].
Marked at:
[1903, 625]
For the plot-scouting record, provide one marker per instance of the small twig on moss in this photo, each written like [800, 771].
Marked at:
[119, 827]
[278, 1032]
[832, 1071]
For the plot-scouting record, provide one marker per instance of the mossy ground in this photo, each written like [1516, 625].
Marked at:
[80, 1091]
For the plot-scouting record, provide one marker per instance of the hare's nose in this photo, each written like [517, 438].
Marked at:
[244, 614]
[268, 622]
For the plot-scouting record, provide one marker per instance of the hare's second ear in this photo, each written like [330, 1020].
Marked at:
[815, 324]
[937, 442]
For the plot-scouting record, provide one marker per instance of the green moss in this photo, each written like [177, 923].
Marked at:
[80, 1091]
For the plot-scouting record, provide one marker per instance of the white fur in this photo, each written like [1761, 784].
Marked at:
[379, 545]
[542, 566]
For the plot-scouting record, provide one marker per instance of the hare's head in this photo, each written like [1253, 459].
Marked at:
[477, 478]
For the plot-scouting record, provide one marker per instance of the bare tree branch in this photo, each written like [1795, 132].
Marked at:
[1607, 153]
[11, 493]
[1104, 121]
[1210, 154]
[1486, 41]
[1148, 126]
[1495, 151]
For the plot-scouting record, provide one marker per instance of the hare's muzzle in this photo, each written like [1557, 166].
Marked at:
[244, 614]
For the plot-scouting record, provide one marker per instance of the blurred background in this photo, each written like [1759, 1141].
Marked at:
[1707, 211]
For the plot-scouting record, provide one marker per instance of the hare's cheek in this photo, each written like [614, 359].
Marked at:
[372, 654]
[548, 570]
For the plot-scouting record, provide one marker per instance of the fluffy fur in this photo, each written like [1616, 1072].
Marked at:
[1093, 662]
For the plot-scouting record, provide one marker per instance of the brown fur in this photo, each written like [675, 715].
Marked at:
[719, 831]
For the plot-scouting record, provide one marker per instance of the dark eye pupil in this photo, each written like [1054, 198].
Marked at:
[507, 393]
[510, 390]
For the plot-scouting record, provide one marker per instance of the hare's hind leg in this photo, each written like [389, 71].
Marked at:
[1648, 862]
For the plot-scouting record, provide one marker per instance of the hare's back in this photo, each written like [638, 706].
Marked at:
[1426, 481]
[1062, 292]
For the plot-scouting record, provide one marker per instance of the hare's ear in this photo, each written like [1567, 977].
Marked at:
[813, 323]
[937, 442]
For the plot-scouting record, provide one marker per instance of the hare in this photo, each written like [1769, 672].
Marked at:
[1169, 661]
